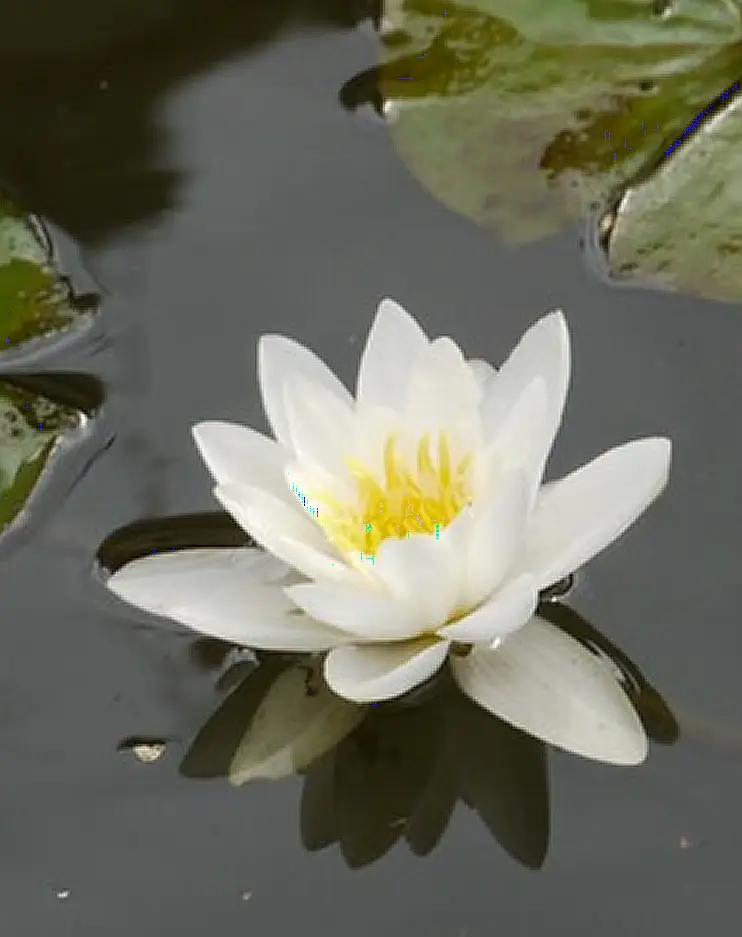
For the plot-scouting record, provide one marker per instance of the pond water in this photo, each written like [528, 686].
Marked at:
[197, 168]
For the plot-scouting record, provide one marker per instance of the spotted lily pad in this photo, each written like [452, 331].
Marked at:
[31, 428]
[681, 227]
[522, 115]
[35, 299]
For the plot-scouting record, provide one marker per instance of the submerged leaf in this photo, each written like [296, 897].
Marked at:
[35, 300]
[521, 114]
[30, 427]
[681, 227]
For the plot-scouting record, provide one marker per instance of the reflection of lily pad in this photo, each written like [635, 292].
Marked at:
[31, 425]
[35, 300]
[520, 115]
[681, 227]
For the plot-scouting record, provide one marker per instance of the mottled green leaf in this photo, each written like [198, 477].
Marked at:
[681, 228]
[521, 114]
[35, 300]
[31, 425]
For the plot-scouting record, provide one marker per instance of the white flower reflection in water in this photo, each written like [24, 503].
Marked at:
[410, 521]
[374, 775]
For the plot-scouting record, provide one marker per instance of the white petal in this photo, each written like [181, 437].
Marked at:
[292, 728]
[542, 352]
[393, 343]
[278, 357]
[375, 672]
[284, 531]
[483, 372]
[238, 455]
[515, 441]
[543, 681]
[577, 517]
[443, 393]
[495, 538]
[234, 595]
[508, 609]
[364, 614]
[321, 425]
[420, 572]
[375, 426]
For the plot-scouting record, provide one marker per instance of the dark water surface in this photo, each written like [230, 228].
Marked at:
[200, 168]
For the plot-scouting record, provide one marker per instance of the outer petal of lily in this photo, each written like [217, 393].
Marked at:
[364, 614]
[577, 517]
[508, 609]
[320, 423]
[238, 455]
[420, 572]
[285, 531]
[495, 538]
[375, 672]
[278, 357]
[394, 341]
[232, 595]
[515, 443]
[542, 352]
[543, 681]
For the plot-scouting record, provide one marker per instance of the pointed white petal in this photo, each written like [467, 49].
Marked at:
[374, 672]
[543, 681]
[577, 517]
[394, 341]
[278, 357]
[239, 455]
[421, 573]
[483, 372]
[292, 728]
[516, 442]
[443, 392]
[321, 425]
[508, 609]
[495, 538]
[375, 426]
[365, 614]
[542, 352]
[284, 531]
[234, 595]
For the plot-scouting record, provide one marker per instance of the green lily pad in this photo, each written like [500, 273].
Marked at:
[522, 115]
[681, 228]
[31, 426]
[35, 299]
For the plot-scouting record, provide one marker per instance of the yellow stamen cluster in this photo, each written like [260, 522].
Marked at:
[423, 499]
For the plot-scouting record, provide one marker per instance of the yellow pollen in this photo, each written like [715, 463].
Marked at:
[424, 498]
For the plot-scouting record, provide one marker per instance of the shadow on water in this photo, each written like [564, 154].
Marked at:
[373, 776]
[81, 85]
[399, 768]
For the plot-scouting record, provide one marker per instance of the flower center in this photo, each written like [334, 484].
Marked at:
[411, 499]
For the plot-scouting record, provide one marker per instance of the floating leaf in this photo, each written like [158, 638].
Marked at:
[31, 425]
[681, 228]
[521, 115]
[35, 300]
[179, 532]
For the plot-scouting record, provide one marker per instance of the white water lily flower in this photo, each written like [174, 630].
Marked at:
[410, 522]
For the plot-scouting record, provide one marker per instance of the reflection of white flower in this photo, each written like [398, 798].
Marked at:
[410, 522]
